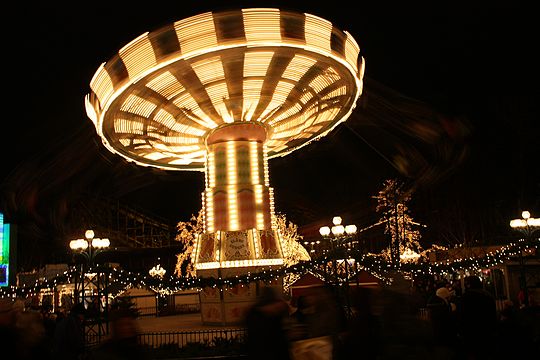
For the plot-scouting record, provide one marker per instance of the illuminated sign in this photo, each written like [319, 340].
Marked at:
[4, 252]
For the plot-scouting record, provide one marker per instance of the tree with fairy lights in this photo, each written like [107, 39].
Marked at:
[392, 204]
[293, 251]
[186, 234]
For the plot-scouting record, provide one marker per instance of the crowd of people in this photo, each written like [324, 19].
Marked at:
[37, 333]
[305, 328]
[468, 325]
[385, 323]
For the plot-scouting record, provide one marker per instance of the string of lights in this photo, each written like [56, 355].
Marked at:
[375, 264]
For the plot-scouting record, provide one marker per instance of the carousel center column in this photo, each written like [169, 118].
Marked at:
[239, 235]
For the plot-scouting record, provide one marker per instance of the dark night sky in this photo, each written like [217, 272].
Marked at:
[471, 68]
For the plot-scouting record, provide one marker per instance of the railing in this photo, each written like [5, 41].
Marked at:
[147, 310]
[182, 338]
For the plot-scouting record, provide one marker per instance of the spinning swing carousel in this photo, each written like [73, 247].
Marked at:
[222, 93]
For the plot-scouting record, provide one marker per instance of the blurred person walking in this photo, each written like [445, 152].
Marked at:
[123, 343]
[477, 320]
[9, 336]
[402, 333]
[68, 338]
[529, 322]
[318, 326]
[363, 329]
[23, 332]
[510, 341]
[34, 343]
[265, 323]
[442, 316]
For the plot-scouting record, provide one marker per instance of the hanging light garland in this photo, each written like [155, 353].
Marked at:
[375, 264]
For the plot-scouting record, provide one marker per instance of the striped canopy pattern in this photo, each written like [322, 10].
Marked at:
[158, 99]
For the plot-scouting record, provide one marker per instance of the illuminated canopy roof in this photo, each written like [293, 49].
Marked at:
[163, 94]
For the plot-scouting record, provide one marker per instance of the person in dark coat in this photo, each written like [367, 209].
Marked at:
[265, 323]
[443, 323]
[363, 330]
[68, 338]
[318, 326]
[401, 332]
[478, 320]
[510, 335]
[9, 335]
[123, 343]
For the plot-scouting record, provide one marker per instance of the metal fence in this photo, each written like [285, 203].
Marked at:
[181, 338]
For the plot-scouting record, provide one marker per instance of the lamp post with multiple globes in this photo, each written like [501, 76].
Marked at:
[527, 226]
[314, 245]
[339, 235]
[340, 238]
[91, 285]
[409, 255]
[158, 272]
[89, 247]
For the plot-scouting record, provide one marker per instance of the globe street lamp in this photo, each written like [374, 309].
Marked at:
[527, 226]
[339, 236]
[409, 256]
[341, 264]
[89, 247]
[96, 323]
[312, 251]
[157, 271]
[340, 233]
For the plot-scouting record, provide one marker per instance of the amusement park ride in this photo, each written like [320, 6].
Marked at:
[224, 92]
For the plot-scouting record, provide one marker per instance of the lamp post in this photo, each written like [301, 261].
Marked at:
[340, 233]
[158, 272]
[409, 255]
[527, 226]
[340, 236]
[96, 323]
[312, 251]
[89, 247]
